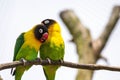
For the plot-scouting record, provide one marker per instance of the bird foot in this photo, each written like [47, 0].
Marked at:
[38, 59]
[61, 61]
[49, 61]
[23, 61]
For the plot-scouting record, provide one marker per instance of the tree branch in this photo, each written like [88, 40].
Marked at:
[82, 39]
[64, 63]
[88, 51]
[100, 43]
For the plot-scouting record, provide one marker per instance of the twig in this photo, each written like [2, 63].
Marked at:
[64, 63]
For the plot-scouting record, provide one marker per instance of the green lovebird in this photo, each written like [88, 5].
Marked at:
[53, 48]
[27, 47]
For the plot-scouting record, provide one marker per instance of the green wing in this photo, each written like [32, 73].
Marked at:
[18, 44]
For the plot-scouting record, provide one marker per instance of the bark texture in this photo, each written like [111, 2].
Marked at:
[88, 49]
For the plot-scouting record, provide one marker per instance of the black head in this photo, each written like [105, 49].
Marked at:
[41, 32]
[48, 22]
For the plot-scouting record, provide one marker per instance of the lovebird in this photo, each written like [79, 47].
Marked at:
[27, 47]
[53, 48]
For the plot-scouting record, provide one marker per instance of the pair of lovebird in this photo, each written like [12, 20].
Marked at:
[46, 38]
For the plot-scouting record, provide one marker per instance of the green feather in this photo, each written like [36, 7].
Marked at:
[29, 53]
[54, 52]
[53, 48]
[18, 44]
[50, 72]
[23, 50]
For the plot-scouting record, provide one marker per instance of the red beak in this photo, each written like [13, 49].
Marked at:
[44, 37]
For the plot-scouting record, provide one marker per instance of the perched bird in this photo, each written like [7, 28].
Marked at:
[53, 48]
[27, 47]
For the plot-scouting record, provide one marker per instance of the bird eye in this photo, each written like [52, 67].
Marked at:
[47, 22]
[41, 30]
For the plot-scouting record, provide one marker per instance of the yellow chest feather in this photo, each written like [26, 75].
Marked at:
[31, 40]
[56, 39]
[55, 35]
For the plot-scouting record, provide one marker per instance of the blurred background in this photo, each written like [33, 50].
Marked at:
[17, 16]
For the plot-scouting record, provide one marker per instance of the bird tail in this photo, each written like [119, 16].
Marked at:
[50, 72]
[19, 72]
[12, 72]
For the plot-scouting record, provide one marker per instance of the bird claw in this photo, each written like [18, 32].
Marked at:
[38, 59]
[49, 61]
[61, 61]
[23, 61]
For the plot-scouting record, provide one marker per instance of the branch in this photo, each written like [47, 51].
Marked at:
[88, 51]
[64, 63]
[100, 43]
[82, 39]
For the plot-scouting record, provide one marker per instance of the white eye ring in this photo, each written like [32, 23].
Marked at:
[47, 22]
[41, 30]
